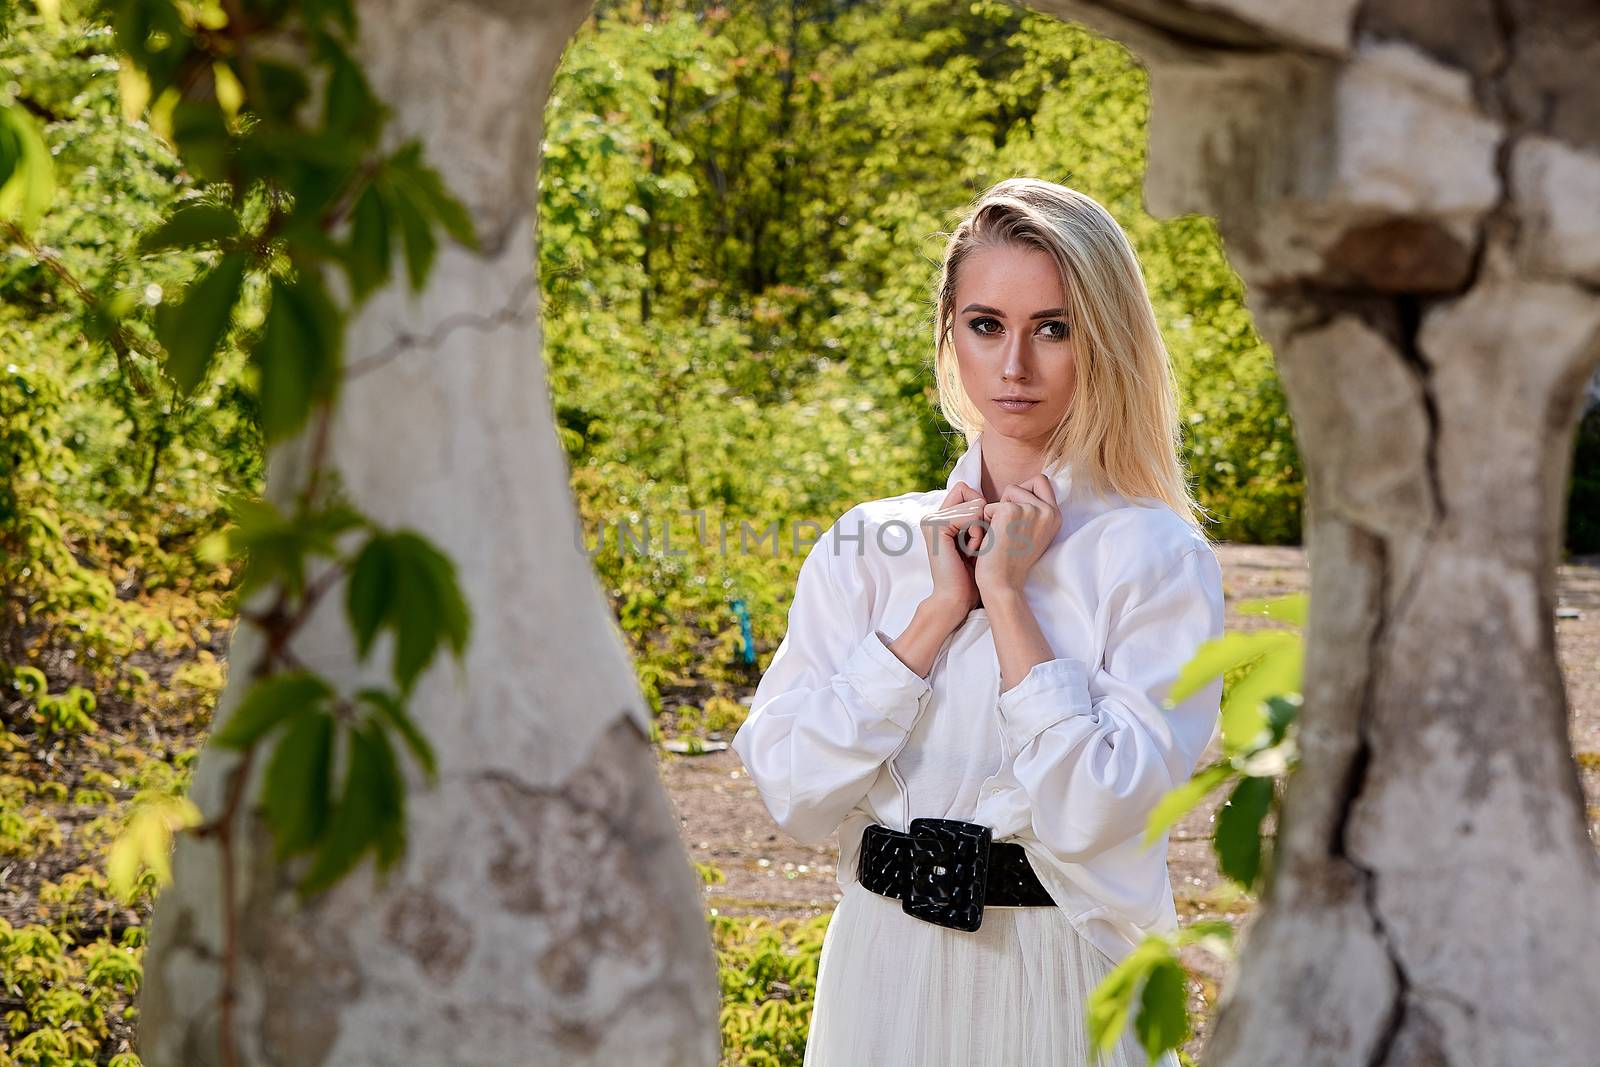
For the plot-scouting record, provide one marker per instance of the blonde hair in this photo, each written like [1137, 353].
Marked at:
[1122, 431]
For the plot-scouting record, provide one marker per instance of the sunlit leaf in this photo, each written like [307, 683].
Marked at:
[27, 172]
[1179, 801]
[146, 843]
[1244, 713]
[1111, 1003]
[1221, 654]
[1292, 608]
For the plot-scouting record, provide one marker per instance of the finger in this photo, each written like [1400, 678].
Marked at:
[949, 521]
[959, 492]
[1042, 487]
[958, 509]
[1021, 494]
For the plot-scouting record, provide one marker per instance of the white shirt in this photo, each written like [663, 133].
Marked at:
[1068, 762]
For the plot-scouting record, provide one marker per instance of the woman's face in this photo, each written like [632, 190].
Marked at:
[1012, 338]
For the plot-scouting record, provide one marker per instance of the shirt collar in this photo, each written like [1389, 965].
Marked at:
[969, 469]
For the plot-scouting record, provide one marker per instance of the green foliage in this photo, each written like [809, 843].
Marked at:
[768, 974]
[177, 215]
[1148, 987]
[1257, 745]
[398, 582]
[1262, 672]
[63, 995]
[738, 239]
[401, 583]
[740, 236]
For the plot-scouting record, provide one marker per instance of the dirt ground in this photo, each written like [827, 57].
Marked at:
[722, 820]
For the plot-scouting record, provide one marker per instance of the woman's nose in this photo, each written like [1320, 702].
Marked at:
[1015, 363]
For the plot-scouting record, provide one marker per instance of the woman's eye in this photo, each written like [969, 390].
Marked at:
[1056, 329]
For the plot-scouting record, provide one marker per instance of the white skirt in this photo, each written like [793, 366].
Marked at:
[896, 991]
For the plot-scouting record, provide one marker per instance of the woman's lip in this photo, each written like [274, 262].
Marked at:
[1017, 404]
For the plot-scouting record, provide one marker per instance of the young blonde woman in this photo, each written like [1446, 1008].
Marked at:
[971, 689]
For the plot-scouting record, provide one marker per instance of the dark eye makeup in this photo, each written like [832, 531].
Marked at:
[1060, 335]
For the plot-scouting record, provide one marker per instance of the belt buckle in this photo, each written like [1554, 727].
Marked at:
[949, 872]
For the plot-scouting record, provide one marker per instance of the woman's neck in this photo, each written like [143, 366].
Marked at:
[1007, 461]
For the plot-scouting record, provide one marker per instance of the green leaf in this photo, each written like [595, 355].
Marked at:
[313, 12]
[155, 37]
[268, 703]
[270, 543]
[146, 842]
[1180, 800]
[420, 244]
[1163, 1021]
[424, 184]
[193, 330]
[1221, 654]
[391, 797]
[295, 793]
[1203, 930]
[27, 170]
[349, 107]
[357, 819]
[284, 87]
[1111, 1002]
[200, 131]
[1292, 608]
[191, 227]
[454, 617]
[367, 254]
[1244, 713]
[392, 712]
[298, 354]
[1282, 711]
[427, 604]
[369, 594]
[1238, 833]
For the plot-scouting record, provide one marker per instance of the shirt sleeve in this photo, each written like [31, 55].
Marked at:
[834, 703]
[1096, 750]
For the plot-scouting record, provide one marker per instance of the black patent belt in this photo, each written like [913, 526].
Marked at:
[947, 871]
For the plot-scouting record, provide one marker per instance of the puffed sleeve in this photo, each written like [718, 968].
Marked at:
[834, 703]
[1095, 753]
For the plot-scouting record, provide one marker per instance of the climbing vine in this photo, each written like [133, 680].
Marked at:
[293, 194]
[1259, 748]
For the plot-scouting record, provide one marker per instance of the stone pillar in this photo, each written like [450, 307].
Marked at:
[545, 911]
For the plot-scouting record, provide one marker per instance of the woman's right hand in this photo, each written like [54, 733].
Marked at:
[955, 589]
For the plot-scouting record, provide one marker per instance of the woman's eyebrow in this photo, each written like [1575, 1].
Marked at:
[987, 310]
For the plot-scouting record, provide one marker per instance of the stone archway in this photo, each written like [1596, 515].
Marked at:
[1408, 188]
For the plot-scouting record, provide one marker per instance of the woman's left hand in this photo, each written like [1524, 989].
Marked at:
[1022, 524]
